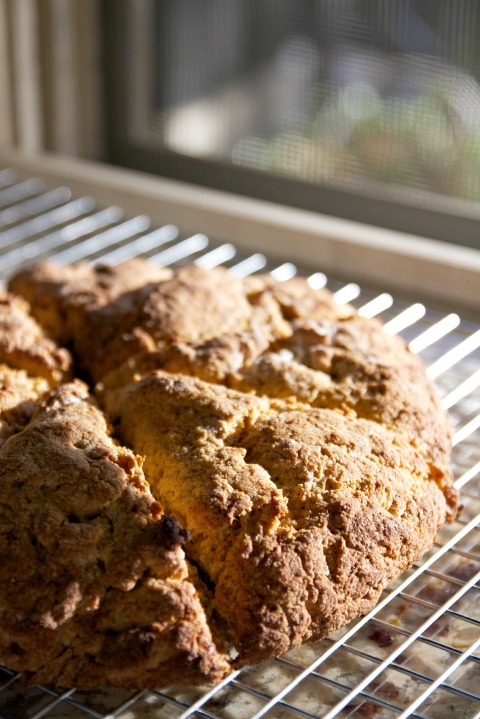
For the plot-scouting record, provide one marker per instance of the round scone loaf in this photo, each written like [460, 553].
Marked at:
[301, 451]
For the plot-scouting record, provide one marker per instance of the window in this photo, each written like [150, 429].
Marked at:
[366, 109]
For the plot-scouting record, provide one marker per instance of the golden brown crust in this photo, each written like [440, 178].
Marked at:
[302, 515]
[24, 345]
[95, 587]
[108, 322]
[18, 396]
[286, 341]
[62, 296]
[30, 363]
[304, 450]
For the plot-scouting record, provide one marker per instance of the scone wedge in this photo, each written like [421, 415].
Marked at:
[298, 516]
[95, 589]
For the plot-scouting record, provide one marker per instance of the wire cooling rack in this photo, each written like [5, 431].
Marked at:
[418, 652]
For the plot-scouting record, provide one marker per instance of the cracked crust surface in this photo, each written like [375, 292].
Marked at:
[96, 590]
[85, 306]
[303, 449]
[299, 516]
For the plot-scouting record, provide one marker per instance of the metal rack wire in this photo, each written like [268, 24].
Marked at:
[418, 652]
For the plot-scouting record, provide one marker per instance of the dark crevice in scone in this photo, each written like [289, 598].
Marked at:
[96, 590]
[302, 448]
[204, 577]
[206, 588]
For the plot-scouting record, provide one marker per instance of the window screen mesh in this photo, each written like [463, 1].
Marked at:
[347, 92]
